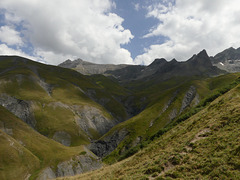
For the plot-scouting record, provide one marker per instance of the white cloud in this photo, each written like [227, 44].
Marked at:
[60, 29]
[9, 36]
[192, 26]
[5, 50]
[136, 6]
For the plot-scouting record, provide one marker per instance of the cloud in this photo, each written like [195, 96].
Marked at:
[190, 27]
[136, 6]
[60, 29]
[9, 36]
[5, 50]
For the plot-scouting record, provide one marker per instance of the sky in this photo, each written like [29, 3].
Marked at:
[117, 31]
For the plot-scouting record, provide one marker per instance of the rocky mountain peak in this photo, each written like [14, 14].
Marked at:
[201, 58]
[158, 62]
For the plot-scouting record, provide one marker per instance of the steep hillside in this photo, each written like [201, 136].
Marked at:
[205, 146]
[59, 103]
[27, 154]
[57, 107]
[168, 102]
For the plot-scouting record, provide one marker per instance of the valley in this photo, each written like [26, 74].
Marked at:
[169, 119]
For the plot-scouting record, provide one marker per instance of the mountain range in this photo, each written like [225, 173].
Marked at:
[76, 117]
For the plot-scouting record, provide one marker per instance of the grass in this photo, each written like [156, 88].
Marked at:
[28, 150]
[139, 126]
[205, 146]
[68, 87]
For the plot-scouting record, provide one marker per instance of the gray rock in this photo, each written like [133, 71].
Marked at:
[105, 146]
[188, 98]
[77, 165]
[92, 118]
[171, 100]
[46, 174]
[62, 137]
[20, 108]
[173, 114]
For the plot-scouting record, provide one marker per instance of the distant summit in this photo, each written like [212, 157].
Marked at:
[88, 68]
[228, 60]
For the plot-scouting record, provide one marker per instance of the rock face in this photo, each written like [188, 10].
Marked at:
[74, 166]
[78, 165]
[88, 117]
[20, 108]
[62, 137]
[47, 174]
[228, 60]
[161, 69]
[105, 146]
[188, 98]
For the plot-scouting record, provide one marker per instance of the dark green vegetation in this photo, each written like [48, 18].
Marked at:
[204, 146]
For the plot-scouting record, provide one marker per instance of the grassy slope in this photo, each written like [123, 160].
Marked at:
[206, 146]
[25, 151]
[139, 126]
[21, 80]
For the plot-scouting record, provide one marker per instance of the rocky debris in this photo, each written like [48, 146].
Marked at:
[196, 100]
[20, 108]
[62, 137]
[201, 135]
[47, 174]
[77, 165]
[228, 60]
[188, 98]
[173, 114]
[89, 117]
[105, 146]
[231, 66]
[74, 166]
[47, 87]
[170, 101]
[136, 141]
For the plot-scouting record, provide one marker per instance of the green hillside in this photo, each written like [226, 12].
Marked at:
[25, 152]
[205, 146]
[49, 116]
[157, 114]
[57, 96]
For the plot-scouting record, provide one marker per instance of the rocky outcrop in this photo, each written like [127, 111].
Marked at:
[228, 60]
[188, 98]
[170, 101]
[89, 117]
[77, 165]
[62, 137]
[47, 174]
[87, 68]
[173, 114]
[106, 145]
[20, 108]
